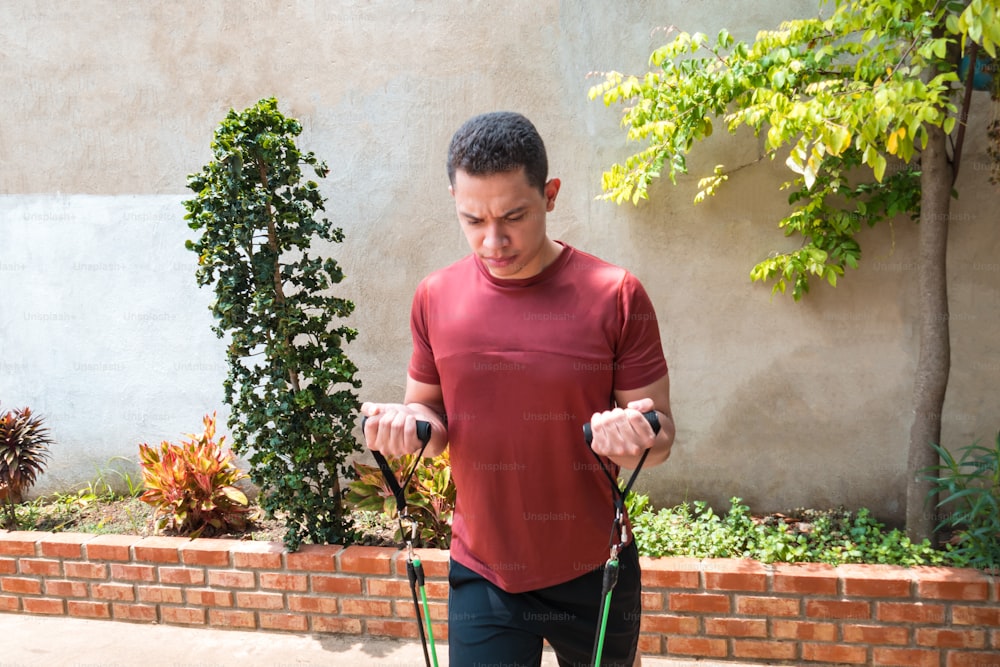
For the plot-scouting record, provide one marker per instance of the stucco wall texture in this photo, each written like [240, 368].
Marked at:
[109, 105]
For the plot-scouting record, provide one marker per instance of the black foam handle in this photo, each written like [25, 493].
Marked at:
[423, 429]
[652, 417]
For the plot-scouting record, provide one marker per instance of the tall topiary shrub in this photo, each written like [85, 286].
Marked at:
[290, 384]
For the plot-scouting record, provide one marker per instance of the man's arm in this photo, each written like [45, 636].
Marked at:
[391, 428]
[622, 434]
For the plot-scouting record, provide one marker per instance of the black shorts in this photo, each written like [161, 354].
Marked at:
[488, 627]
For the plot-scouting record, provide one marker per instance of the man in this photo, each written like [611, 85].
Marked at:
[515, 347]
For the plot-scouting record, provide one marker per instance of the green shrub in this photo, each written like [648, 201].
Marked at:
[969, 488]
[834, 537]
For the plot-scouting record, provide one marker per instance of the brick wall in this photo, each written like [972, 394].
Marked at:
[718, 609]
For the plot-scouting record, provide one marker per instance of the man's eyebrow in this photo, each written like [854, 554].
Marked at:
[508, 214]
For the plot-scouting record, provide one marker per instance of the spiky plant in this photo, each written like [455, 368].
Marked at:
[24, 450]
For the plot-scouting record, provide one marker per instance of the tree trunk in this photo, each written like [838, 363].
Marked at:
[935, 346]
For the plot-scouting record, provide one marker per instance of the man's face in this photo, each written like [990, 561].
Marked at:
[503, 218]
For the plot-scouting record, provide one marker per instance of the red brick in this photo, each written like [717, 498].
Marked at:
[852, 655]
[20, 542]
[130, 572]
[652, 601]
[66, 589]
[111, 547]
[699, 602]
[358, 607]
[906, 657]
[119, 592]
[289, 622]
[339, 626]
[206, 552]
[972, 659]
[284, 582]
[63, 545]
[205, 597]
[255, 600]
[735, 575]
[145, 613]
[650, 645]
[949, 638]
[44, 606]
[764, 650]
[946, 583]
[843, 609]
[670, 572]
[10, 603]
[184, 576]
[19, 585]
[822, 632]
[753, 605]
[391, 588]
[8, 566]
[387, 628]
[436, 590]
[366, 560]
[435, 562]
[167, 594]
[883, 635]
[232, 618]
[404, 609]
[159, 549]
[87, 609]
[84, 570]
[736, 627]
[182, 615]
[876, 581]
[963, 615]
[700, 646]
[231, 579]
[42, 567]
[314, 558]
[338, 585]
[805, 578]
[669, 625]
[257, 555]
[907, 612]
[312, 604]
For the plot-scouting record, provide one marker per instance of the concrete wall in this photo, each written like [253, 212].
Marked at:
[109, 105]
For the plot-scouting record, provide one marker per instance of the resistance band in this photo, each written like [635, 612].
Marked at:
[414, 568]
[618, 530]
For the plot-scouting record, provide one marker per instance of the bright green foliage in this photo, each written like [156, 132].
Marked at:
[833, 537]
[24, 451]
[845, 100]
[290, 384]
[430, 497]
[192, 485]
[969, 487]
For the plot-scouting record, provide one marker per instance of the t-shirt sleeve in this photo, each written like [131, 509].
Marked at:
[422, 365]
[639, 359]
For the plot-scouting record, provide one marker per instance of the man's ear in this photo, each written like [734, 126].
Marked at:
[551, 190]
[451, 190]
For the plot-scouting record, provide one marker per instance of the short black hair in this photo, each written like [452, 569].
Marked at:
[498, 142]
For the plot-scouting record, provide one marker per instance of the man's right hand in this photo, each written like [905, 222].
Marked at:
[391, 428]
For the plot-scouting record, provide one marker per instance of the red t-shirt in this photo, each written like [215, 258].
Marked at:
[522, 365]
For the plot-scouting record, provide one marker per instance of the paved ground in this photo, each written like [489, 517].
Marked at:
[44, 641]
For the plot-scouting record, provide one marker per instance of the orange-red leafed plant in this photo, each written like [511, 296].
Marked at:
[192, 485]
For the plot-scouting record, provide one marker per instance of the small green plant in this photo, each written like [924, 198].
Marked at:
[833, 536]
[969, 488]
[192, 486]
[24, 451]
[430, 496]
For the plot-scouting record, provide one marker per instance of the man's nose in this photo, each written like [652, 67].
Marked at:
[495, 237]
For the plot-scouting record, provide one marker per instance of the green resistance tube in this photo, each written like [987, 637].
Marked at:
[604, 625]
[427, 616]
